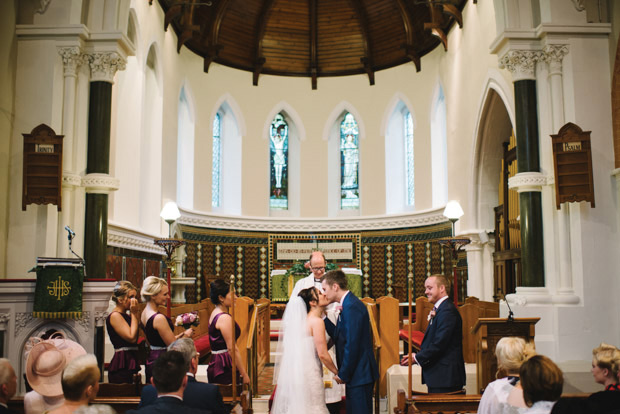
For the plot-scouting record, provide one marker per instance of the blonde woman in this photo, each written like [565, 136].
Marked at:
[158, 328]
[505, 395]
[123, 331]
[80, 384]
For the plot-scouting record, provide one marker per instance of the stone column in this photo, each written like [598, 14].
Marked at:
[528, 180]
[98, 182]
[72, 58]
[553, 56]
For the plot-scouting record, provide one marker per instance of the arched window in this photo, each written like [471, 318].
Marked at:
[408, 135]
[349, 163]
[439, 150]
[278, 145]
[185, 152]
[216, 172]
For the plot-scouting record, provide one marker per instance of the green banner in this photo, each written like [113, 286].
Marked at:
[58, 292]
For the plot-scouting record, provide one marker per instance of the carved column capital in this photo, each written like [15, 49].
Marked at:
[72, 58]
[4, 319]
[100, 317]
[521, 63]
[553, 56]
[104, 65]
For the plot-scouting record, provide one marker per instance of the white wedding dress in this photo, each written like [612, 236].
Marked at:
[298, 372]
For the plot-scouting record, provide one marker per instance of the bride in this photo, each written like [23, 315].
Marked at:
[301, 349]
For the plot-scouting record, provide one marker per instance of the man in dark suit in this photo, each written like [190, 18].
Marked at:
[197, 394]
[441, 353]
[357, 367]
[170, 379]
[8, 384]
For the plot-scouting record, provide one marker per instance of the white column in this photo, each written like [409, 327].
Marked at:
[71, 59]
[553, 56]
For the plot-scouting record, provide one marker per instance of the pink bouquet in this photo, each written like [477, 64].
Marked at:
[186, 320]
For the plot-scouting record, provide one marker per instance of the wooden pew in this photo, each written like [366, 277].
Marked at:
[449, 404]
[422, 308]
[258, 342]
[387, 324]
[471, 311]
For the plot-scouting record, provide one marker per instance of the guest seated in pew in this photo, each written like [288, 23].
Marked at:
[8, 384]
[197, 394]
[542, 381]
[123, 331]
[45, 362]
[505, 395]
[605, 370]
[80, 383]
[170, 380]
[158, 328]
[222, 337]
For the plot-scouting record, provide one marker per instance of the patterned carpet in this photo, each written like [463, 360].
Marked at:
[265, 380]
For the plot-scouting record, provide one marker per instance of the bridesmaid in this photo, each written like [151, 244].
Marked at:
[158, 328]
[221, 337]
[123, 332]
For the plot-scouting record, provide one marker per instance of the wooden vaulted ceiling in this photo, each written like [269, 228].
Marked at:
[312, 38]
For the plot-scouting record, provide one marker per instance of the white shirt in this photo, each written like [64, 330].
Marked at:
[495, 398]
[305, 283]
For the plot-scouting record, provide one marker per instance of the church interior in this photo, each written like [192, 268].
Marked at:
[274, 128]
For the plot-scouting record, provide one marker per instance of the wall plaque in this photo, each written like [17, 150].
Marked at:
[42, 179]
[572, 163]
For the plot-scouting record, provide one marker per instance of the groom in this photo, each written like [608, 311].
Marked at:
[351, 334]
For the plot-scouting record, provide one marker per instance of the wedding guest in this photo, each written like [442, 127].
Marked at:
[605, 370]
[45, 362]
[123, 331]
[80, 384]
[222, 338]
[505, 395]
[8, 384]
[170, 380]
[197, 394]
[158, 328]
[542, 381]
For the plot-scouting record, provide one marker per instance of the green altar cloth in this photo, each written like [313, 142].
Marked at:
[58, 292]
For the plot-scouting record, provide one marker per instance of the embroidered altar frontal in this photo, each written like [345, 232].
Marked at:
[58, 292]
[387, 259]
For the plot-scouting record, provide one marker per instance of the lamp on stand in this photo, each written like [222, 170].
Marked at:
[454, 212]
[170, 213]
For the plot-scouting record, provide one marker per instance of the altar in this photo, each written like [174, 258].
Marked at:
[282, 283]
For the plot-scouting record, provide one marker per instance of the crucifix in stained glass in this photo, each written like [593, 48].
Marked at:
[349, 163]
[278, 198]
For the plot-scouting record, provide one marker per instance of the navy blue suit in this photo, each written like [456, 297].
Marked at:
[197, 395]
[441, 353]
[357, 366]
[167, 405]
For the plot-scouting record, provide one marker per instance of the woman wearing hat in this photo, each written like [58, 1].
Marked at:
[123, 331]
[158, 328]
[44, 365]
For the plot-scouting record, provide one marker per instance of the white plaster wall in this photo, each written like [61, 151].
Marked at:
[8, 50]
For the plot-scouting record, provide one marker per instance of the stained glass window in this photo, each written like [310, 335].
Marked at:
[409, 158]
[217, 162]
[349, 163]
[278, 199]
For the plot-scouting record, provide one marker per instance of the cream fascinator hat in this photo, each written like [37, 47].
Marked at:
[46, 361]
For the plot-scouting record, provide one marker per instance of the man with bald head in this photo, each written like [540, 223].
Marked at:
[317, 267]
[441, 353]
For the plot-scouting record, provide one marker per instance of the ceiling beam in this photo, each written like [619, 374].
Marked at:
[410, 31]
[314, 33]
[261, 27]
[210, 30]
[435, 26]
[367, 60]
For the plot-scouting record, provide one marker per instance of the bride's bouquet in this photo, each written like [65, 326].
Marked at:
[186, 320]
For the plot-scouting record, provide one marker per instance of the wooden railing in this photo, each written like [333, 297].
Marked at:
[257, 348]
[376, 342]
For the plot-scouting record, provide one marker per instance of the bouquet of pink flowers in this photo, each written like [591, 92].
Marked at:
[186, 320]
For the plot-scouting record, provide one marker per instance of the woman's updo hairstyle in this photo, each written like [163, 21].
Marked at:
[219, 287]
[308, 295]
[152, 286]
[511, 353]
[122, 288]
[607, 356]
